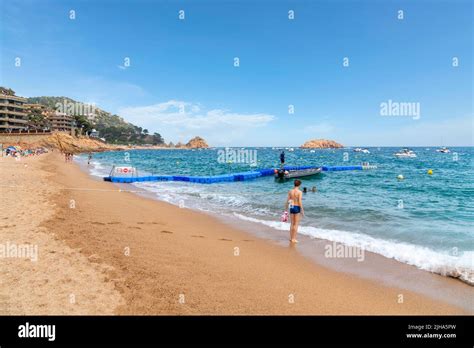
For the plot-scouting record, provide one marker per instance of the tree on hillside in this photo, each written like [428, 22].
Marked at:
[157, 139]
[110, 126]
[38, 121]
[83, 123]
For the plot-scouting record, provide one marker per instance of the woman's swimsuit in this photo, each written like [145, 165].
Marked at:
[296, 209]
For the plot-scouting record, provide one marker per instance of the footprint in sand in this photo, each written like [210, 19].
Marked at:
[136, 227]
[195, 236]
[114, 223]
[226, 240]
[97, 223]
[166, 232]
[247, 240]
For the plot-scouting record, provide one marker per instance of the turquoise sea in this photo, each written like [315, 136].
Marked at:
[423, 220]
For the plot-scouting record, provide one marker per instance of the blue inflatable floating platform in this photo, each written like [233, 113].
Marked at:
[243, 176]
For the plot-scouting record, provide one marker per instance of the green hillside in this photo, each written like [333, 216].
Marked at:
[110, 126]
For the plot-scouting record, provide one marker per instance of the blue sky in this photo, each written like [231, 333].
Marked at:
[182, 81]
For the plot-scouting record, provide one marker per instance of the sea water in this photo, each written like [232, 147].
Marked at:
[423, 220]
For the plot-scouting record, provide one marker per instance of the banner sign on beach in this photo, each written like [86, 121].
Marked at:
[123, 171]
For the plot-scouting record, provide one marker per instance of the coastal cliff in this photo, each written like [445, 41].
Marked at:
[321, 144]
[60, 141]
[67, 143]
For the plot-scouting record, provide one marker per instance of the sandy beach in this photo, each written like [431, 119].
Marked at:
[102, 250]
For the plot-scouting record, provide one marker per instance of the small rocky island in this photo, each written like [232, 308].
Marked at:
[197, 143]
[321, 144]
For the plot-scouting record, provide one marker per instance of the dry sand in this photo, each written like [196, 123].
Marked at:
[62, 280]
[120, 253]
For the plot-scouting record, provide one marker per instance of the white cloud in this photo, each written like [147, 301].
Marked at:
[178, 121]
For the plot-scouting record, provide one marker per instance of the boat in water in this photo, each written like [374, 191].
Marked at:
[283, 174]
[444, 149]
[405, 153]
[358, 149]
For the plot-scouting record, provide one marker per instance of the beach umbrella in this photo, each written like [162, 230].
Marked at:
[11, 148]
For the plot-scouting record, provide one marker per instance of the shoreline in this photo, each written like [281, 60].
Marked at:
[377, 267]
[388, 271]
[374, 267]
[182, 261]
[396, 268]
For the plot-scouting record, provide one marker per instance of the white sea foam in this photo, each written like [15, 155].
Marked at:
[174, 192]
[461, 266]
[97, 169]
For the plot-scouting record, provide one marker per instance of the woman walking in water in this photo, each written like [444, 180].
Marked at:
[295, 203]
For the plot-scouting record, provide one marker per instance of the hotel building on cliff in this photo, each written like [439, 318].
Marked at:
[13, 116]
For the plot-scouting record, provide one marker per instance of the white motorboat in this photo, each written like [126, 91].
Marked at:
[405, 153]
[299, 173]
[444, 149]
[358, 149]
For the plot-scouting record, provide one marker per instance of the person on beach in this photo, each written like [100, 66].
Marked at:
[68, 156]
[295, 202]
[89, 158]
[282, 158]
